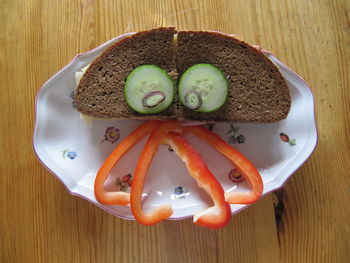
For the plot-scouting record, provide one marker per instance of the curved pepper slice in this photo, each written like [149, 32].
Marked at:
[119, 198]
[151, 147]
[244, 166]
[219, 214]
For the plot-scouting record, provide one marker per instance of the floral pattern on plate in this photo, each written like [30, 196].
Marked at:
[285, 138]
[68, 154]
[264, 149]
[124, 183]
[235, 176]
[112, 135]
[234, 136]
[180, 192]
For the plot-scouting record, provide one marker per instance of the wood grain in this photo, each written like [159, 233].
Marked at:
[306, 222]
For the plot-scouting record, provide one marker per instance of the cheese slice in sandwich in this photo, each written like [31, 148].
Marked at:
[257, 91]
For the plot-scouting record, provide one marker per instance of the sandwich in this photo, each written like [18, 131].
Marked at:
[185, 75]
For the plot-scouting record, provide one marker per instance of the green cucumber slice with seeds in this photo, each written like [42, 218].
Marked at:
[149, 89]
[203, 88]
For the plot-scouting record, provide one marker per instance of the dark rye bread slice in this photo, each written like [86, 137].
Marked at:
[257, 91]
[100, 90]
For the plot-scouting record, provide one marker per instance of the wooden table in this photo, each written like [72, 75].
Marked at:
[306, 221]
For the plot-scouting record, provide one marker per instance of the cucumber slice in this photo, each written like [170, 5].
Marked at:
[148, 89]
[203, 88]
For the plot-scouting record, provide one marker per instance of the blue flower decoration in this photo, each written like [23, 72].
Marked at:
[234, 136]
[71, 155]
[179, 190]
[240, 139]
[72, 96]
[232, 139]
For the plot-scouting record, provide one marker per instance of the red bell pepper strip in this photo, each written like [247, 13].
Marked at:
[219, 214]
[243, 165]
[119, 198]
[151, 147]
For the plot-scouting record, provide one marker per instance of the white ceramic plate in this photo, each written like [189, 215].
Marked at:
[73, 152]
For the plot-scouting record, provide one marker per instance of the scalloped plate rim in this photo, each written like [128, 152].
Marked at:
[278, 183]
